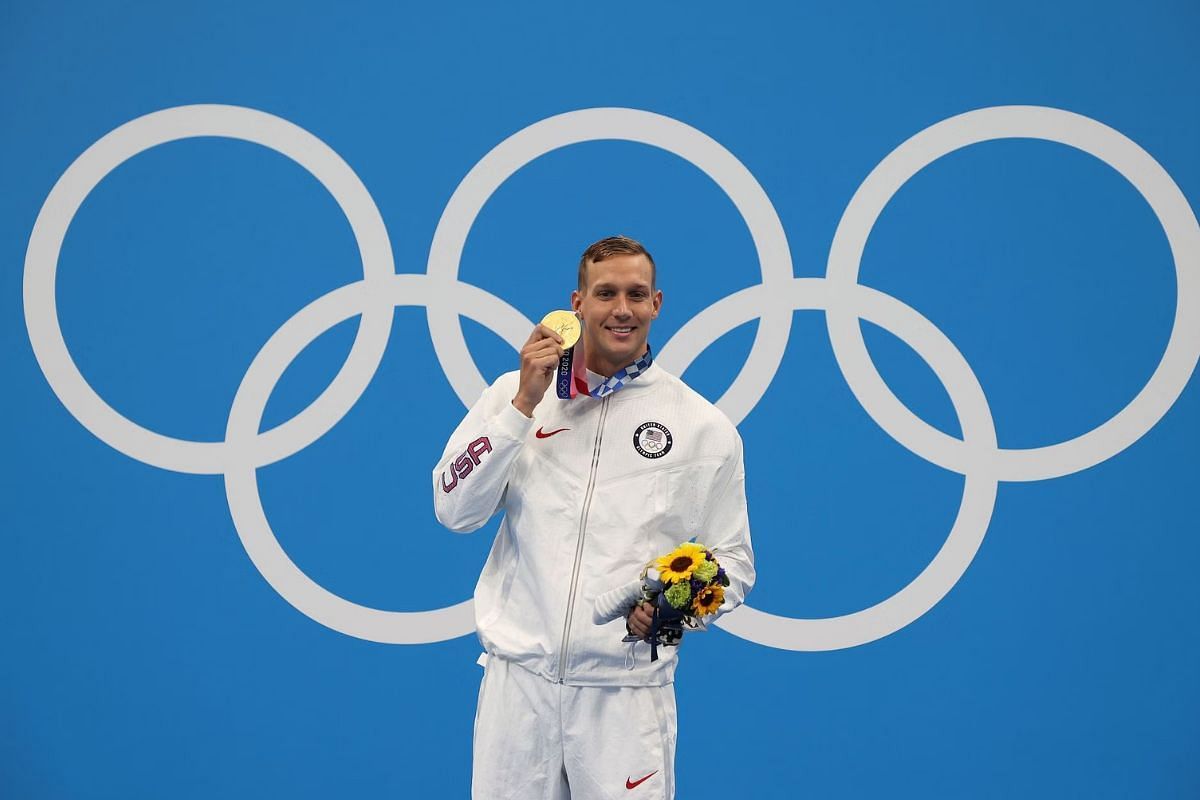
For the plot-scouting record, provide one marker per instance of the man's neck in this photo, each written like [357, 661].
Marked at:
[606, 369]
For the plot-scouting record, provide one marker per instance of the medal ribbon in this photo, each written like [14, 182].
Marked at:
[571, 378]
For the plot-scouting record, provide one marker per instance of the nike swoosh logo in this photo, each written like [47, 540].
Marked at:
[539, 434]
[634, 784]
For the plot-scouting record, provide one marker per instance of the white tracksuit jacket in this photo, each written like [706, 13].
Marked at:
[584, 511]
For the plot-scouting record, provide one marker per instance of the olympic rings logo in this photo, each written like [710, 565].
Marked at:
[839, 294]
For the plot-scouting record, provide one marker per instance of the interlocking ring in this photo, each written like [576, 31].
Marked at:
[976, 456]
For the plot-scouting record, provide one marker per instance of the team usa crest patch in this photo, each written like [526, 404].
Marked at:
[652, 440]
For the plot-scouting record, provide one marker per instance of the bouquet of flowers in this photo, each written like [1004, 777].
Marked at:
[683, 586]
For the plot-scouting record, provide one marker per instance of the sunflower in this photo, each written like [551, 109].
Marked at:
[679, 565]
[708, 600]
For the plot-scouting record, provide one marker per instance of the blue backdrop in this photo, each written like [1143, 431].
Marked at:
[1029, 272]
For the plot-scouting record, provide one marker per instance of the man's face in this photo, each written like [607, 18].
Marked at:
[617, 305]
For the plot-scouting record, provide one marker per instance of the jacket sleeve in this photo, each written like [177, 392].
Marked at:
[472, 475]
[727, 532]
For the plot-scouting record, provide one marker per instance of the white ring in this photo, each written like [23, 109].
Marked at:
[979, 490]
[1004, 122]
[241, 480]
[626, 124]
[68, 194]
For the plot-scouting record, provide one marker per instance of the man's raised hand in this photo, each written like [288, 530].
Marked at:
[539, 362]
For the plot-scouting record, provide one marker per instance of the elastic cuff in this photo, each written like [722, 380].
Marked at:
[512, 423]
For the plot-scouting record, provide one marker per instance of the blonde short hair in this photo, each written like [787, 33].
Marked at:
[613, 246]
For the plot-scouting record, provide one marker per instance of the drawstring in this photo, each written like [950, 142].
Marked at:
[629, 655]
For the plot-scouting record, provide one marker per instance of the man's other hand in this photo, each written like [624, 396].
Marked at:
[639, 620]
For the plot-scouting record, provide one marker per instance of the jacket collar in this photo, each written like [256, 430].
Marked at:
[645, 380]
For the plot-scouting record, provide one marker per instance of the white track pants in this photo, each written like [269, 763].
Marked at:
[537, 740]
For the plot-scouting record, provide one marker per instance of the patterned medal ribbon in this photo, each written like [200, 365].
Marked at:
[571, 378]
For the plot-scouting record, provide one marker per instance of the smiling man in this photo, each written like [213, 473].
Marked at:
[593, 487]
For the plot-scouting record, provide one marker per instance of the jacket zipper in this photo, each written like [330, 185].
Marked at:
[587, 504]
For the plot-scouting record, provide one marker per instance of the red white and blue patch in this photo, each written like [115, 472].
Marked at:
[652, 440]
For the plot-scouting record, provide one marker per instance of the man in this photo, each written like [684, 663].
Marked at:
[592, 488]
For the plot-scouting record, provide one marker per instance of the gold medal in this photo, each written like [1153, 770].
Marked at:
[566, 325]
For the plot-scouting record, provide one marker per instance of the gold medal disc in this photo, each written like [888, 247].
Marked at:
[566, 325]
